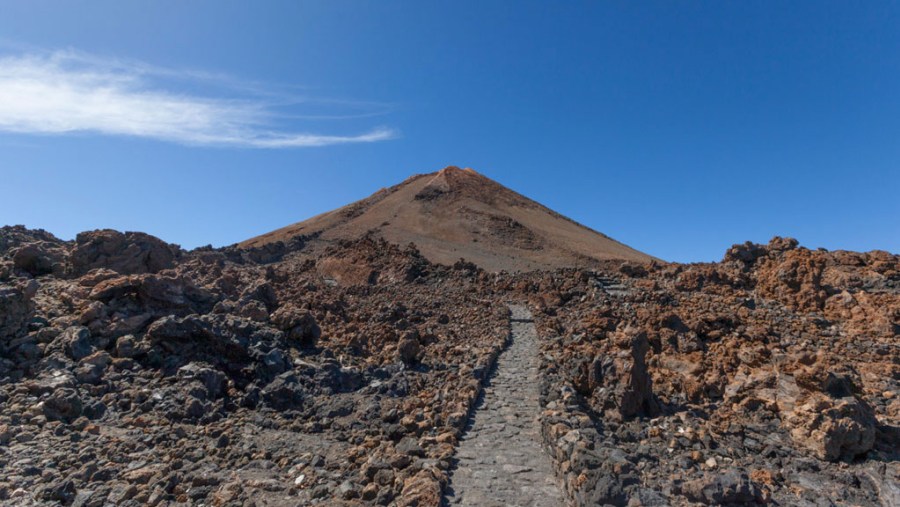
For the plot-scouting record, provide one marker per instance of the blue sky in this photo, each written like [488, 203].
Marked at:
[678, 128]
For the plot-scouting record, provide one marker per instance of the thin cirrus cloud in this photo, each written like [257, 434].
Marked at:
[67, 93]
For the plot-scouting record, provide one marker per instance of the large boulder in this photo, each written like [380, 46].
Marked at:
[214, 381]
[409, 350]
[746, 253]
[14, 236]
[792, 276]
[77, 342]
[154, 292]
[297, 324]
[824, 413]
[618, 379]
[40, 258]
[63, 405]
[226, 341]
[423, 488]
[127, 253]
[284, 393]
[16, 308]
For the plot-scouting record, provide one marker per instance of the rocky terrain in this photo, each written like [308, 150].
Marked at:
[359, 372]
[134, 373]
[771, 377]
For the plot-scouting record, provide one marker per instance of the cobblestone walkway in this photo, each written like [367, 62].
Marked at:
[501, 462]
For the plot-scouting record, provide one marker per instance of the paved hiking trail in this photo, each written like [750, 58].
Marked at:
[500, 460]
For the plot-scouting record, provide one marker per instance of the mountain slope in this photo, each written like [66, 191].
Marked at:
[458, 213]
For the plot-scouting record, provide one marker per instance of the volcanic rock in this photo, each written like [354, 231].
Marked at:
[128, 253]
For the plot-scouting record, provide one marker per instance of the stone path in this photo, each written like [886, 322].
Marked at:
[501, 462]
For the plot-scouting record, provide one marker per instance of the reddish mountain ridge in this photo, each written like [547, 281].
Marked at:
[458, 213]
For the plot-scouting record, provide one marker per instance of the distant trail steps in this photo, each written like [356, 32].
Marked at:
[500, 458]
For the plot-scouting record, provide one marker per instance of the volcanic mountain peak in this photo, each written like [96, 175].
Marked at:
[452, 171]
[455, 179]
[458, 213]
[455, 183]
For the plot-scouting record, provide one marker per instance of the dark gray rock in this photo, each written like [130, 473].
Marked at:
[409, 349]
[410, 446]
[271, 363]
[82, 498]
[213, 381]
[63, 405]
[284, 393]
[600, 488]
[63, 492]
[297, 324]
[727, 487]
[77, 342]
[16, 308]
[126, 346]
[89, 374]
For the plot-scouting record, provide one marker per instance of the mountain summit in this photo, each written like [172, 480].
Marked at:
[458, 213]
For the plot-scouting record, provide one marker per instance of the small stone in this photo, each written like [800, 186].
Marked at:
[125, 346]
[728, 487]
[63, 405]
[62, 492]
[6, 434]
[410, 447]
[285, 392]
[77, 340]
[408, 349]
[95, 310]
[370, 492]
[82, 498]
[384, 477]
[347, 490]
[121, 492]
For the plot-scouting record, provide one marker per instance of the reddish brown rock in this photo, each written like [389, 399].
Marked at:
[126, 253]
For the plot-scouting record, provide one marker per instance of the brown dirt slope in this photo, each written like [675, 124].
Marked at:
[457, 213]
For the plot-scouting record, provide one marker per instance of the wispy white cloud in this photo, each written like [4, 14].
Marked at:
[67, 92]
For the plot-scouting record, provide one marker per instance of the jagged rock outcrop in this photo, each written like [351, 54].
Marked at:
[127, 253]
[40, 258]
[824, 412]
[16, 308]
